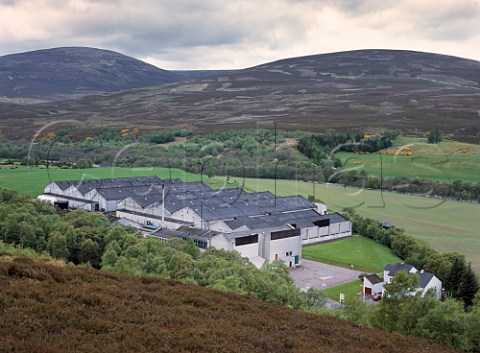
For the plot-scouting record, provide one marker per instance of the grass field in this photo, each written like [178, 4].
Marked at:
[363, 253]
[350, 290]
[31, 180]
[442, 162]
[444, 225]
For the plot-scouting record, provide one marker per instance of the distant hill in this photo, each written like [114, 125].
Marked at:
[363, 90]
[196, 74]
[47, 308]
[60, 72]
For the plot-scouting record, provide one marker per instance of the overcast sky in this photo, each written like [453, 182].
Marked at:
[229, 34]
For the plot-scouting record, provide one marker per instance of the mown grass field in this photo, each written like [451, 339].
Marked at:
[442, 162]
[32, 180]
[444, 225]
[350, 290]
[363, 253]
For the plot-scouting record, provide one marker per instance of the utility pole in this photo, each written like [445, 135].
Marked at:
[163, 205]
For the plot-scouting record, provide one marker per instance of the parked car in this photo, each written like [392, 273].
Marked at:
[376, 297]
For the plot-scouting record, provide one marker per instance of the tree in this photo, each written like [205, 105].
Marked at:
[89, 252]
[109, 259]
[468, 286]
[57, 245]
[84, 163]
[314, 297]
[434, 136]
[396, 296]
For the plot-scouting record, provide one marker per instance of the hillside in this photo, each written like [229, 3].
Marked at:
[364, 89]
[63, 72]
[47, 308]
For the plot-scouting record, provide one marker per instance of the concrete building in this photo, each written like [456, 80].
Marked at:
[259, 225]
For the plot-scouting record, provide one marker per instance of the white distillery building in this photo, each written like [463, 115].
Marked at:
[259, 225]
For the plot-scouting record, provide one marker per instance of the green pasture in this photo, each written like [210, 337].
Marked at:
[32, 180]
[432, 167]
[351, 290]
[442, 162]
[363, 253]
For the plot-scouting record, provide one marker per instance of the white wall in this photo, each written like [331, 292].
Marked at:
[314, 234]
[220, 242]
[249, 250]
[436, 284]
[187, 214]
[143, 219]
[321, 208]
[376, 288]
[283, 246]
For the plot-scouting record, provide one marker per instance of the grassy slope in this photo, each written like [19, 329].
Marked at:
[443, 162]
[364, 253]
[47, 308]
[444, 225]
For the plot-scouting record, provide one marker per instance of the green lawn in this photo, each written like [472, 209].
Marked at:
[32, 180]
[350, 290]
[443, 162]
[363, 253]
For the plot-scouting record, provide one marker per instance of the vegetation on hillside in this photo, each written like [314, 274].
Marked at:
[247, 153]
[49, 308]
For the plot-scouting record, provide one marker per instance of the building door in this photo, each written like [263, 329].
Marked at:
[297, 259]
[368, 290]
[276, 257]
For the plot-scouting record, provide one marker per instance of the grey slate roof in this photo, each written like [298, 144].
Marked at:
[393, 269]
[285, 204]
[186, 232]
[302, 219]
[374, 279]
[425, 278]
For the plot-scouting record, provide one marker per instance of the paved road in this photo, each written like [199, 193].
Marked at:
[319, 275]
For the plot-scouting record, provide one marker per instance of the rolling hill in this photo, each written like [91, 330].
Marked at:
[75, 71]
[363, 89]
[49, 308]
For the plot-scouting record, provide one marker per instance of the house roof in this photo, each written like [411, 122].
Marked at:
[374, 279]
[425, 278]
[393, 269]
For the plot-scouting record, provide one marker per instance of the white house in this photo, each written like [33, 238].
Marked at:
[372, 285]
[426, 280]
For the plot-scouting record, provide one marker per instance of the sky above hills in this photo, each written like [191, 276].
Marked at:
[221, 34]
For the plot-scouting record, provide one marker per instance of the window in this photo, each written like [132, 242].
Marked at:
[286, 234]
[286, 254]
[250, 239]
